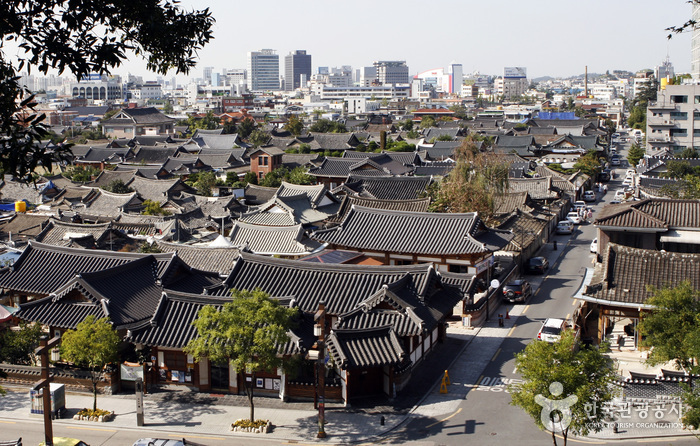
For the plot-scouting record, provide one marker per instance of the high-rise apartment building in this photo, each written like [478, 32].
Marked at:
[263, 70]
[695, 44]
[297, 66]
[391, 72]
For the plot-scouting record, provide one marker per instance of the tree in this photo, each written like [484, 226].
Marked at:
[688, 153]
[250, 178]
[83, 38]
[589, 164]
[427, 121]
[299, 175]
[407, 125]
[17, 346]
[246, 127]
[153, 208]
[635, 153]
[148, 248]
[680, 169]
[168, 107]
[294, 125]
[561, 371]
[328, 126]
[474, 184]
[672, 330]
[81, 174]
[118, 187]
[205, 182]
[246, 333]
[258, 137]
[92, 345]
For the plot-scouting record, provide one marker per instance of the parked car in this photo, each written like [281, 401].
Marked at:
[630, 172]
[537, 265]
[565, 227]
[65, 441]
[594, 246]
[589, 195]
[551, 329]
[579, 204]
[604, 176]
[615, 161]
[518, 290]
[574, 218]
[628, 181]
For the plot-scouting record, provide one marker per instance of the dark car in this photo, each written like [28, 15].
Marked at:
[537, 265]
[518, 290]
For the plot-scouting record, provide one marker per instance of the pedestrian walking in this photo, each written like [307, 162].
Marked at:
[590, 214]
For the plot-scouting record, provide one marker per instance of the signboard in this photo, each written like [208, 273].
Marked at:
[484, 265]
[131, 371]
[515, 72]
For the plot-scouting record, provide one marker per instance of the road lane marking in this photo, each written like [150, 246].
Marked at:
[444, 419]
[525, 309]
[90, 429]
[567, 316]
[8, 422]
[573, 302]
[478, 381]
[511, 330]
[496, 354]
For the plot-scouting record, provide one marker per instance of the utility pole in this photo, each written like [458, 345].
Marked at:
[45, 345]
[320, 319]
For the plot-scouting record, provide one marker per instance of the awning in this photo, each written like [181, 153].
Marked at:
[680, 236]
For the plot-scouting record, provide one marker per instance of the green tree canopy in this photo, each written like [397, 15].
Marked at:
[427, 121]
[589, 164]
[118, 187]
[584, 373]
[205, 183]
[258, 137]
[474, 185]
[246, 127]
[247, 333]
[92, 345]
[83, 38]
[294, 125]
[328, 126]
[634, 154]
[153, 208]
[672, 330]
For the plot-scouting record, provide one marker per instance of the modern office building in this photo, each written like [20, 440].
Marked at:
[96, 88]
[297, 66]
[391, 72]
[513, 83]
[263, 70]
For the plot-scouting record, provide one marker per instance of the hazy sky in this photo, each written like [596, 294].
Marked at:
[548, 37]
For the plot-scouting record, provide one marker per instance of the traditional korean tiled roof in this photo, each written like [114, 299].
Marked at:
[155, 155]
[401, 322]
[146, 115]
[507, 203]
[365, 348]
[269, 240]
[59, 233]
[218, 260]
[107, 155]
[341, 286]
[433, 132]
[171, 324]
[218, 142]
[126, 294]
[151, 140]
[525, 228]
[654, 186]
[42, 269]
[626, 273]
[318, 194]
[416, 205]
[410, 232]
[159, 191]
[388, 188]
[288, 210]
[437, 169]
[16, 191]
[106, 177]
[405, 158]
[23, 226]
[108, 204]
[652, 213]
[255, 195]
[538, 188]
[335, 141]
[342, 168]
[515, 141]
[212, 207]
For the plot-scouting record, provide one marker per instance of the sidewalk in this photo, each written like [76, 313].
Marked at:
[188, 413]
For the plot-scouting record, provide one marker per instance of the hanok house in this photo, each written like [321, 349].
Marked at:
[619, 287]
[452, 242]
[384, 320]
[132, 122]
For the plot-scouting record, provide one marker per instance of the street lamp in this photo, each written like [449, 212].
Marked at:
[320, 333]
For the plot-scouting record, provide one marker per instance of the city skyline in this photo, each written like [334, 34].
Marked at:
[621, 35]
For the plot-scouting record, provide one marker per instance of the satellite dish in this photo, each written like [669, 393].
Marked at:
[495, 283]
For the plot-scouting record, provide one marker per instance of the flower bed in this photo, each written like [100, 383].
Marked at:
[98, 415]
[256, 427]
